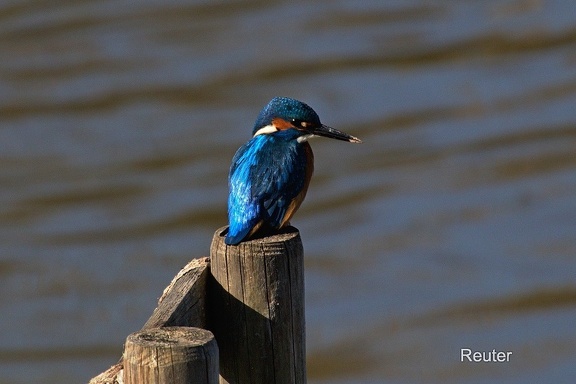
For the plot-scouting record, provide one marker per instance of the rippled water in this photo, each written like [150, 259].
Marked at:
[453, 226]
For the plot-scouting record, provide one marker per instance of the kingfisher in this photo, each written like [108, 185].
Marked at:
[270, 174]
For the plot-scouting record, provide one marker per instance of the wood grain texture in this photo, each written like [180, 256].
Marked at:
[171, 355]
[182, 303]
[256, 308]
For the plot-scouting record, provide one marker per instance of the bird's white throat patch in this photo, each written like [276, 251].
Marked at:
[304, 138]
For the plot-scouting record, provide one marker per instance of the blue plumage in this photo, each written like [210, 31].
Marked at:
[270, 174]
[266, 175]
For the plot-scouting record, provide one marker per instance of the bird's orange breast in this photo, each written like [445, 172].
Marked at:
[295, 203]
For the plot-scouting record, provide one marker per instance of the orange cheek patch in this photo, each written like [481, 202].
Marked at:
[281, 124]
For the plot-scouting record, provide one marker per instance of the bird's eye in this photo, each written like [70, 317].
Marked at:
[300, 123]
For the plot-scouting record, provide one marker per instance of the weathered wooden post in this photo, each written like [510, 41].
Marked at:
[182, 304]
[256, 308]
[171, 355]
[251, 296]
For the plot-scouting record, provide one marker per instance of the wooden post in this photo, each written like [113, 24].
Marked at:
[171, 355]
[182, 304]
[256, 309]
[184, 300]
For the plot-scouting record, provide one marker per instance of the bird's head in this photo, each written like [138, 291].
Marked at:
[284, 113]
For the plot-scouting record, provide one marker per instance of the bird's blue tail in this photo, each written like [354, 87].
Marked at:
[235, 238]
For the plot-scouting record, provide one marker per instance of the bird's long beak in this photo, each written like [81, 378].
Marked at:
[333, 133]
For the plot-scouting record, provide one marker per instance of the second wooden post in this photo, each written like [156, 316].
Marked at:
[256, 309]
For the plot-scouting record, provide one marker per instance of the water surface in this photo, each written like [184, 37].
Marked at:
[452, 226]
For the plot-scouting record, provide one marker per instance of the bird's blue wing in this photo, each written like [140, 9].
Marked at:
[281, 182]
[266, 175]
[243, 209]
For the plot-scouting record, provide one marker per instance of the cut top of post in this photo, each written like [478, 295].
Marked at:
[286, 242]
[283, 235]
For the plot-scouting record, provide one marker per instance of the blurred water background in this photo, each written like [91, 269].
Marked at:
[453, 226]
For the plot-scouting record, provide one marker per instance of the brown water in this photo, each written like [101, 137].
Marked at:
[453, 226]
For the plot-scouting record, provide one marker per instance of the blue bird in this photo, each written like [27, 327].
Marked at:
[270, 174]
